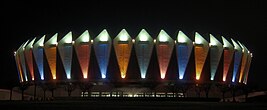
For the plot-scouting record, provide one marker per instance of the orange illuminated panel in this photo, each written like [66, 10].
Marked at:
[51, 58]
[243, 66]
[163, 58]
[83, 49]
[29, 58]
[123, 56]
[201, 52]
[83, 54]
[200, 58]
[19, 67]
[244, 61]
[245, 78]
[123, 47]
[51, 54]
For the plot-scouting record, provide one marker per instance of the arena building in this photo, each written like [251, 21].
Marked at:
[131, 66]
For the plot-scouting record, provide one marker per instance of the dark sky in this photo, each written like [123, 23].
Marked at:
[243, 20]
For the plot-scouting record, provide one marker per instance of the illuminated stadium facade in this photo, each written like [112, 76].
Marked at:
[130, 67]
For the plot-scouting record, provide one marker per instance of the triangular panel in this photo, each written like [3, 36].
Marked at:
[143, 48]
[38, 53]
[243, 62]
[51, 54]
[183, 51]
[237, 60]
[102, 47]
[201, 52]
[65, 52]
[164, 47]
[19, 67]
[83, 50]
[245, 79]
[123, 47]
[227, 56]
[23, 61]
[216, 49]
[29, 58]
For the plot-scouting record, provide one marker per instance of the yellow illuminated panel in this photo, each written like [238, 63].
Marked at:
[123, 47]
[243, 62]
[201, 52]
[51, 54]
[29, 58]
[19, 65]
[245, 79]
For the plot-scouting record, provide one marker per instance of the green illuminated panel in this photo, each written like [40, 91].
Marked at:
[65, 52]
[216, 49]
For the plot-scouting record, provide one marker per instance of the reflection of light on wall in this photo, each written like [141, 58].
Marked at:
[212, 78]
[123, 38]
[182, 38]
[103, 75]
[103, 36]
[68, 38]
[181, 77]
[163, 38]
[162, 75]
[143, 37]
[198, 39]
[85, 37]
[123, 75]
[197, 76]
[143, 75]
[224, 78]
[213, 41]
[123, 35]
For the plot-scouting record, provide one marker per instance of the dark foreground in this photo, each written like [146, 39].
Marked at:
[112, 104]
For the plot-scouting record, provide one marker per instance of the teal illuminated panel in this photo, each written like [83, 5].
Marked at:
[143, 48]
[216, 49]
[23, 62]
[38, 53]
[102, 47]
[183, 51]
[65, 52]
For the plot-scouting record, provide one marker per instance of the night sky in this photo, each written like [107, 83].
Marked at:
[243, 20]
